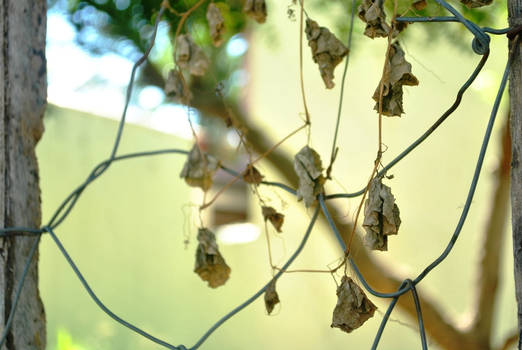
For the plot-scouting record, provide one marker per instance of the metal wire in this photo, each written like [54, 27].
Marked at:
[480, 45]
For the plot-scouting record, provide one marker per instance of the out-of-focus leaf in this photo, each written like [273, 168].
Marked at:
[216, 24]
[176, 89]
[275, 218]
[353, 307]
[199, 169]
[381, 216]
[372, 13]
[252, 175]
[210, 265]
[308, 167]
[190, 56]
[396, 74]
[256, 9]
[327, 50]
[271, 297]
[476, 3]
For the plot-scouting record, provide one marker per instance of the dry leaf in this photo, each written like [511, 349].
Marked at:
[397, 73]
[176, 89]
[372, 13]
[210, 265]
[275, 218]
[308, 167]
[255, 9]
[327, 50]
[271, 297]
[199, 169]
[381, 215]
[476, 3]
[190, 56]
[216, 24]
[353, 307]
[252, 175]
[420, 5]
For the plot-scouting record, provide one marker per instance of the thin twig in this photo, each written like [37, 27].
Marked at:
[231, 182]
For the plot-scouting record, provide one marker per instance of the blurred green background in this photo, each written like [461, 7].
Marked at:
[127, 233]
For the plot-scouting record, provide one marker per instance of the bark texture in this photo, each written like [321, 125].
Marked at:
[515, 94]
[23, 85]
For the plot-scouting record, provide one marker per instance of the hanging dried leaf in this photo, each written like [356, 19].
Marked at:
[327, 50]
[476, 3]
[381, 215]
[372, 13]
[308, 167]
[420, 5]
[216, 24]
[252, 175]
[199, 169]
[353, 307]
[275, 218]
[176, 89]
[255, 9]
[397, 73]
[210, 265]
[271, 297]
[190, 56]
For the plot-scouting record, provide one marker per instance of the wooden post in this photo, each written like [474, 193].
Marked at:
[22, 102]
[515, 95]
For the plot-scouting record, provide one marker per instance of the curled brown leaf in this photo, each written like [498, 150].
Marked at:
[252, 175]
[210, 265]
[216, 24]
[381, 215]
[176, 89]
[397, 73]
[199, 168]
[255, 9]
[353, 307]
[327, 50]
[372, 13]
[308, 167]
[190, 56]
[275, 218]
[271, 297]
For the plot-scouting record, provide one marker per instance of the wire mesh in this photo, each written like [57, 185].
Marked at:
[480, 46]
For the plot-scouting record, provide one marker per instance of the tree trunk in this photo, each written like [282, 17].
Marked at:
[515, 94]
[22, 102]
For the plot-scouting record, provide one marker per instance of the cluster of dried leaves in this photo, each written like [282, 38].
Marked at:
[372, 13]
[210, 265]
[191, 58]
[308, 167]
[327, 50]
[252, 175]
[275, 218]
[199, 168]
[353, 307]
[397, 73]
[381, 215]
[271, 297]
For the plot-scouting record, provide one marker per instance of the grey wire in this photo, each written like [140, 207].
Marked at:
[426, 134]
[480, 45]
[262, 290]
[419, 314]
[98, 302]
[341, 94]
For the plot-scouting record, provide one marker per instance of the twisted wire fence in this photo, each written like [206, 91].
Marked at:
[480, 46]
